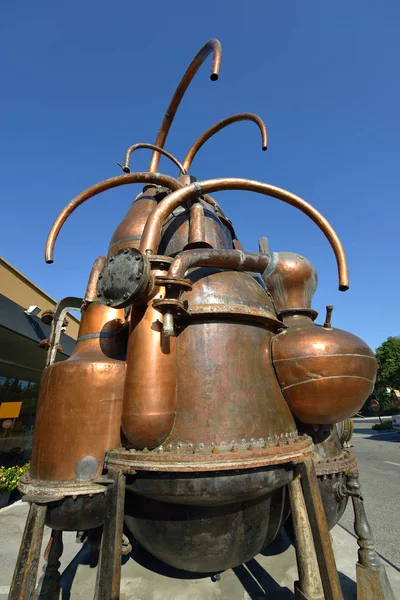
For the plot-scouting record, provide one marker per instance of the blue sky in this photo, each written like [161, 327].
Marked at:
[81, 81]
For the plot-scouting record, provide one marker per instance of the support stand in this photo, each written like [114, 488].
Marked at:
[109, 568]
[49, 586]
[372, 580]
[320, 532]
[309, 586]
[24, 579]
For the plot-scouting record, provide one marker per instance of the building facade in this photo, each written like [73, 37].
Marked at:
[25, 326]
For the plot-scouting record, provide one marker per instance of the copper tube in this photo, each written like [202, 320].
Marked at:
[98, 188]
[126, 166]
[193, 150]
[196, 224]
[224, 259]
[212, 45]
[152, 231]
[91, 290]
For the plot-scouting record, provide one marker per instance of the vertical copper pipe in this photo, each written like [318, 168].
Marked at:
[196, 225]
[211, 46]
[96, 189]
[193, 150]
[91, 290]
[152, 231]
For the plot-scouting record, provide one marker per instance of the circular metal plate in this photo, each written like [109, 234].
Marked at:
[125, 275]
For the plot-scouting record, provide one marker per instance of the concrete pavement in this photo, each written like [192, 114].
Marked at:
[378, 455]
[145, 578]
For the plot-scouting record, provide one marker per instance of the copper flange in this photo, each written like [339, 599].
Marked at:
[202, 459]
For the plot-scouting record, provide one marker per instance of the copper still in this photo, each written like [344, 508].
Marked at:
[200, 389]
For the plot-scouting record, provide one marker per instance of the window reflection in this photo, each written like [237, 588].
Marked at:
[18, 402]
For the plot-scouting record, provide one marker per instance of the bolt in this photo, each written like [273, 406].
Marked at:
[137, 257]
[100, 276]
[108, 302]
[111, 259]
[126, 295]
[126, 251]
[138, 277]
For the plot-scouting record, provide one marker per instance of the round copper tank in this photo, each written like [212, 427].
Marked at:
[325, 374]
[227, 341]
[226, 393]
[80, 402]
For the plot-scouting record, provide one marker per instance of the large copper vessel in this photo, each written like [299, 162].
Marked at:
[200, 389]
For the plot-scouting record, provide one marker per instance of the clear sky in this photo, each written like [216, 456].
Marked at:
[81, 81]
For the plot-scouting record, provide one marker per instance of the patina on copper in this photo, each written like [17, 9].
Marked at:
[213, 46]
[195, 147]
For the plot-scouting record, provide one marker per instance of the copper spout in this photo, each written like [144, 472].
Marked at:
[224, 259]
[91, 290]
[152, 231]
[193, 150]
[329, 311]
[211, 46]
[263, 245]
[196, 224]
[96, 189]
[126, 166]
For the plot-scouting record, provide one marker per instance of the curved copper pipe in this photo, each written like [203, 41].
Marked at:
[152, 230]
[126, 166]
[211, 46]
[193, 150]
[96, 189]
[224, 259]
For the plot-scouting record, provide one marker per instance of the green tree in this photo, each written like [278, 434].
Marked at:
[388, 376]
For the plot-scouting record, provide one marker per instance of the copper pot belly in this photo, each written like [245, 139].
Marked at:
[326, 374]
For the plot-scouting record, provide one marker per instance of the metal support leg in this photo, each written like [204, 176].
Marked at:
[372, 580]
[319, 528]
[309, 586]
[25, 573]
[109, 568]
[49, 586]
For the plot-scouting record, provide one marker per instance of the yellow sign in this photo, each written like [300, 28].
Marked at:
[10, 410]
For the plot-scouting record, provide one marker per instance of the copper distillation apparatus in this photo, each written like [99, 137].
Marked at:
[207, 397]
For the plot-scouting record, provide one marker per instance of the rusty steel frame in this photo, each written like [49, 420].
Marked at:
[25, 574]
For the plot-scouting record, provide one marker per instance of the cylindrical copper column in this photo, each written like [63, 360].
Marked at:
[80, 400]
[149, 394]
[196, 225]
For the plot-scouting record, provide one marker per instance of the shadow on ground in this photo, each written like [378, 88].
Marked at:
[386, 436]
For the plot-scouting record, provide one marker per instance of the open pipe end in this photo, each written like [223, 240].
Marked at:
[264, 148]
[214, 76]
[49, 261]
[343, 287]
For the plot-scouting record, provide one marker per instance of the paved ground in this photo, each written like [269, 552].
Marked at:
[378, 454]
[265, 576]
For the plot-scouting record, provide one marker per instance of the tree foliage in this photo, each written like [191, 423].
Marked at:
[388, 376]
